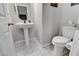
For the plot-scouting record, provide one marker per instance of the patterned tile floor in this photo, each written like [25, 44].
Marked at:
[35, 50]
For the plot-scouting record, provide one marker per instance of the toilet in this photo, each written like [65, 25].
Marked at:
[59, 42]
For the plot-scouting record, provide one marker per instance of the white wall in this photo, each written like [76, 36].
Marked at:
[69, 13]
[51, 22]
[47, 22]
[6, 42]
[38, 20]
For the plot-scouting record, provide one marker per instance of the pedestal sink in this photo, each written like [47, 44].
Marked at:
[25, 27]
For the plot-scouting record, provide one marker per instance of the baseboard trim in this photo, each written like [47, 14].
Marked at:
[39, 44]
[47, 44]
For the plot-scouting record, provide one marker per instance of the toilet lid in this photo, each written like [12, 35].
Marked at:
[60, 39]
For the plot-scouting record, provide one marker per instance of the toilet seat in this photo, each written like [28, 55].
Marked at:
[60, 41]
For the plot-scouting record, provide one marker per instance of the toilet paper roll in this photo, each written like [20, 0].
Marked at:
[68, 45]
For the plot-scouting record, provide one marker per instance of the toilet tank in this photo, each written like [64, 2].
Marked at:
[68, 32]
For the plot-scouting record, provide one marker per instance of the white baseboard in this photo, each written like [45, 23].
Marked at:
[39, 44]
[47, 44]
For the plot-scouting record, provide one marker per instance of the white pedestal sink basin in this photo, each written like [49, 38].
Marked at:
[25, 27]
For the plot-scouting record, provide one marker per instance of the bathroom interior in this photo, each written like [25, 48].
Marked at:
[39, 29]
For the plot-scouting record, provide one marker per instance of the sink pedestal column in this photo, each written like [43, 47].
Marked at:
[25, 27]
[26, 35]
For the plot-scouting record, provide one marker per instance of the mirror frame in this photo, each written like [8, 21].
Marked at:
[16, 9]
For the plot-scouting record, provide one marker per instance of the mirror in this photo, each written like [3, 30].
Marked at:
[22, 13]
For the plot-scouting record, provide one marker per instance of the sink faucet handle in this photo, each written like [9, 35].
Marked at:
[10, 24]
[29, 21]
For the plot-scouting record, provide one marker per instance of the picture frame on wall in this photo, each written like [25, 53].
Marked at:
[73, 4]
[54, 4]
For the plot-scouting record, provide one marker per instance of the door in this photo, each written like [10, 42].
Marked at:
[7, 46]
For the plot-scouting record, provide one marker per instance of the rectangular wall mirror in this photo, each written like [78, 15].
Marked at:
[22, 12]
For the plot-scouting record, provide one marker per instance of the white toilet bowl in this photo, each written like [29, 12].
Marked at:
[59, 43]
